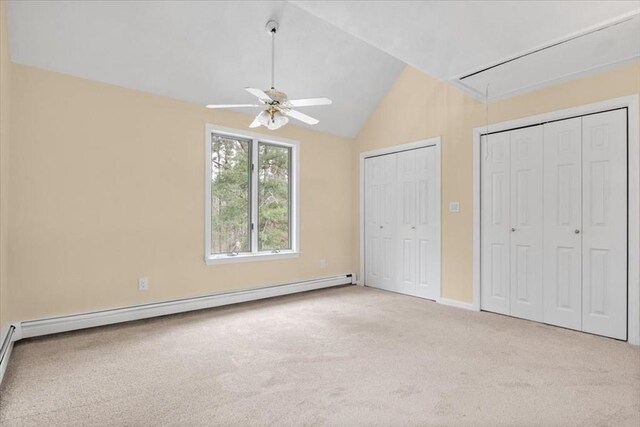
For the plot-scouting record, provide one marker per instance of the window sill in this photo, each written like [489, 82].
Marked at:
[268, 256]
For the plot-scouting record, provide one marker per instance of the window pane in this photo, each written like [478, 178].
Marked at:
[273, 197]
[230, 177]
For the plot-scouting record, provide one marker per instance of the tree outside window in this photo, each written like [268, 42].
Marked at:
[234, 191]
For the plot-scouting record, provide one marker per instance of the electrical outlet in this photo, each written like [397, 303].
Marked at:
[454, 207]
[323, 263]
[143, 283]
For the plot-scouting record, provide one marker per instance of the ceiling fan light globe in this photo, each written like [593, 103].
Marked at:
[280, 119]
[276, 120]
[264, 118]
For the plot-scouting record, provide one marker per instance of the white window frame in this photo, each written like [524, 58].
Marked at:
[294, 177]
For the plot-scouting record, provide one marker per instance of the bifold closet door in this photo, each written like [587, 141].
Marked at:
[380, 221]
[563, 223]
[495, 184]
[418, 249]
[511, 223]
[407, 204]
[526, 223]
[554, 223]
[427, 225]
[401, 216]
[604, 220]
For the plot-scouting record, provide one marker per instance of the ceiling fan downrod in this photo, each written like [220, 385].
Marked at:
[276, 107]
[272, 28]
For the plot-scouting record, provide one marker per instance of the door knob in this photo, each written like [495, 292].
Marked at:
[382, 226]
[413, 227]
[513, 229]
[576, 231]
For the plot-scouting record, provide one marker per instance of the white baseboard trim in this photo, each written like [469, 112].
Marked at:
[6, 346]
[457, 304]
[34, 328]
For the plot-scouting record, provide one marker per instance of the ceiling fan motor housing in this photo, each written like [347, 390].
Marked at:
[277, 96]
[277, 106]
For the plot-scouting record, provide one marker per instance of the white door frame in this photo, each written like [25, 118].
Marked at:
[431, 142]
[633, 275]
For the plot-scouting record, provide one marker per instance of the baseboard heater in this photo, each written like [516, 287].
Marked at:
[5, 350]
[34, 328]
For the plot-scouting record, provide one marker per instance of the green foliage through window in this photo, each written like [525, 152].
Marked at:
[231, 195]
[273, 197]
[230, 208]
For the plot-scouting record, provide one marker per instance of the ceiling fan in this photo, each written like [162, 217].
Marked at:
[277, 107]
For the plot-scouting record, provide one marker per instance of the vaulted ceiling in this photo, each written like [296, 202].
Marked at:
[351, 52]
[206, 52]
[544, 41]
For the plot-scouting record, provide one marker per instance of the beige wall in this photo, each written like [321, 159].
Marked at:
[4, 170]
[419, 107]
[107, 185]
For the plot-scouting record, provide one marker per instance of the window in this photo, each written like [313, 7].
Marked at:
[251, 197]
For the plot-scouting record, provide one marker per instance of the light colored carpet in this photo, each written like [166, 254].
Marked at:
[347, 356]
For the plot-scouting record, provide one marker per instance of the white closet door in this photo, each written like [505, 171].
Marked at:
[604, 240]
[494, 223]
[562, 223]
[427, 223]
[418, 246]
[407, 203]
[380, 221]
[402, 239]
[526, 223]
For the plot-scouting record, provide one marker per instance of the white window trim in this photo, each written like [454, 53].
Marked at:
[295, 193]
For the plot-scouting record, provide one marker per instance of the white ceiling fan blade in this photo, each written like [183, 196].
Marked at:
[256, 122]
[308, 102]
[302, 117]
[259, 93]
[214, 106]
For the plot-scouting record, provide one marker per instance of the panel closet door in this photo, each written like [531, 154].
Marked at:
[407, 205]
[494, 223]
[511, 223]
[427, 223]
[604, 219]
[562, 223]
[554, 223]
[401, 216]
[418, 248]
[526, 223]
[380, 221]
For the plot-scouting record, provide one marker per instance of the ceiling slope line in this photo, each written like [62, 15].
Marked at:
[546, 47]
[588, 31]
[544, 83]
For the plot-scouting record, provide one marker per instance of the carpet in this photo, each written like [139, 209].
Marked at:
[347, 356]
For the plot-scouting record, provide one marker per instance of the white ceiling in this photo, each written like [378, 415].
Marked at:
[206, 52]
[449, 39]
[350, 51]
[593, 51]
